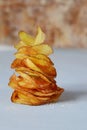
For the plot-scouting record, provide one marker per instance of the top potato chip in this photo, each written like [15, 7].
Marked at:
[28, 40]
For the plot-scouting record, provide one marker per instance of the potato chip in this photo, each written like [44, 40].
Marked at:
[42, 49]
[20, 44]
[40, 37]
[27, 39]
[37, 49]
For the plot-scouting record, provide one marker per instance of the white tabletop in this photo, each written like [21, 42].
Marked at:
[69, 113]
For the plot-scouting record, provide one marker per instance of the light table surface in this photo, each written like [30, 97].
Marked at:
[69, 113]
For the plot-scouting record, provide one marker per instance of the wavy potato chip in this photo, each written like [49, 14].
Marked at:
[44, 66]
[38, 56]
[33, 73]
[37, 49]
[42, 49]
[27, 39]
[40, 37]
[20, 44]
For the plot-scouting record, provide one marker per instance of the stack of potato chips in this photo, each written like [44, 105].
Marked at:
[34, 82]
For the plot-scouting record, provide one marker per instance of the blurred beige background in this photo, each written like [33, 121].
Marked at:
[63, 21]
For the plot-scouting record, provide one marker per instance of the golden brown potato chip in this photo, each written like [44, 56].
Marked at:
[19, 55]
[27, 39]
[43, 57]
[40, 37]
[37, 49]
[33, 73]
[42, 49]
[30, 99]
[20, 44]
[44, 65]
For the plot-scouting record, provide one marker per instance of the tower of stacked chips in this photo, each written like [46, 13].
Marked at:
[34, 82]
